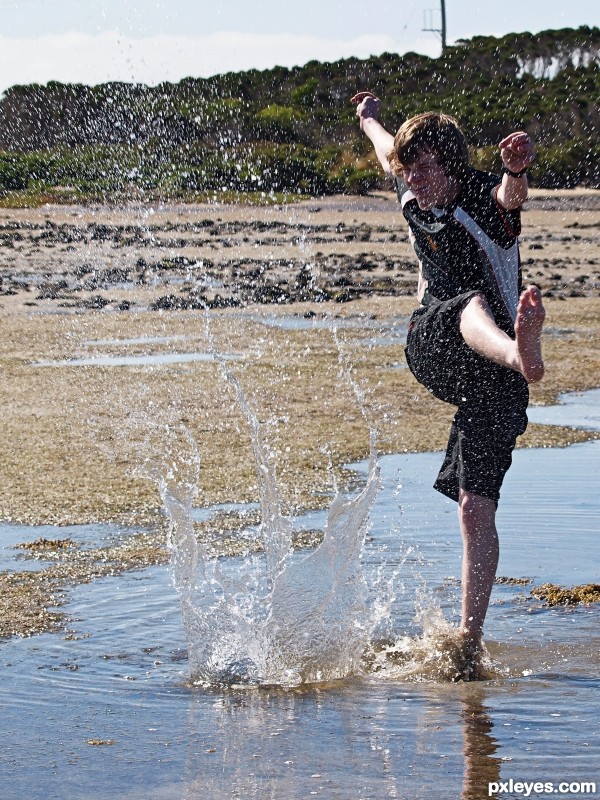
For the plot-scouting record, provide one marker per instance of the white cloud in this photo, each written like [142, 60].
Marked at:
[110, 56]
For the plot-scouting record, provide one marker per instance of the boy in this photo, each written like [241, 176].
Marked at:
[475, 340]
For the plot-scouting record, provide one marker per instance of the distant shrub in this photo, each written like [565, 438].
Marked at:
[278, 123]
[14, 172]
[567, 165]
[305, 95]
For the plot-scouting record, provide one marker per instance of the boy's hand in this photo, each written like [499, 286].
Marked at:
[517, 151]
[367, 106]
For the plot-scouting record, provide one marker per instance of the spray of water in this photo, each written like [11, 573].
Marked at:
[279, 617]
[437, 654]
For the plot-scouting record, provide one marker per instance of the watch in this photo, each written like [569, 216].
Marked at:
[514, 174]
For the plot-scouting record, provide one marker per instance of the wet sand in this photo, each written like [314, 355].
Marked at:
[82, 286]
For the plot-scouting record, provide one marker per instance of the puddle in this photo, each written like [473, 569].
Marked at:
[144, 360]
[140, 340]
[384, 332]
[576, 409]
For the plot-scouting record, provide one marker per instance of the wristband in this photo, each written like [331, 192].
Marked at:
[514, 174]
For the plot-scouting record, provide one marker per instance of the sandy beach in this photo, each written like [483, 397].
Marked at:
[109, 363]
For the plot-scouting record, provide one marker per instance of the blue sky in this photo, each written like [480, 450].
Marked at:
[149, 41]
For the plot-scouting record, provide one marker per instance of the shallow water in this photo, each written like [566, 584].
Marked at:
[145, 360]
[107, 711]
[134, 341]
[577, 409]
[384, 333]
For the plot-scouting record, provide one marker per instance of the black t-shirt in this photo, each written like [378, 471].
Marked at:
[470, 244]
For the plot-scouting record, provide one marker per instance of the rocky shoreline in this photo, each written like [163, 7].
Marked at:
[119, 326]
[218, 257]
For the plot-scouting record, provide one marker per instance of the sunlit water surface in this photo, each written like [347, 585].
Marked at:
[110, 711]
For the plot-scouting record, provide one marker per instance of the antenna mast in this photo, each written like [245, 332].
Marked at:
[441, 31]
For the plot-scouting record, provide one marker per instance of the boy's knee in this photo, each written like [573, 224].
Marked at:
[476, 507]
[475, 307]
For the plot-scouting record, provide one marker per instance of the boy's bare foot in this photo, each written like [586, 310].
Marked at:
[528, 333]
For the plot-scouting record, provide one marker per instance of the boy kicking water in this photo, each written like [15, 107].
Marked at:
[475, 340]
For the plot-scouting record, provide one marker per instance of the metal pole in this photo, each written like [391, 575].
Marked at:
[428, 16]
[443, 25]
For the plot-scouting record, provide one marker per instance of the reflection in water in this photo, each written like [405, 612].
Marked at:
[270, 744]
[482, 766]
[294, 743]
[267, 766]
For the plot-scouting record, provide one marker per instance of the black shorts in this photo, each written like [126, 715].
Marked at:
[492, 400]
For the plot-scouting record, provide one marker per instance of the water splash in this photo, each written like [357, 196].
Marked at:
[283, 618]
[279, 618]
[438, 654]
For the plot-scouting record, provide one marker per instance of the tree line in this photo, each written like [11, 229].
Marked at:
[292, 131]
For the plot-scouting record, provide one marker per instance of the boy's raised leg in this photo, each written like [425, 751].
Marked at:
[524, 353]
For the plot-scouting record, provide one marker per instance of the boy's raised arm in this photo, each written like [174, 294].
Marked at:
[367, 110]
[517, 153]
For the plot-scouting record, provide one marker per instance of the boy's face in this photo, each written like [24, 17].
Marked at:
[428, 182]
